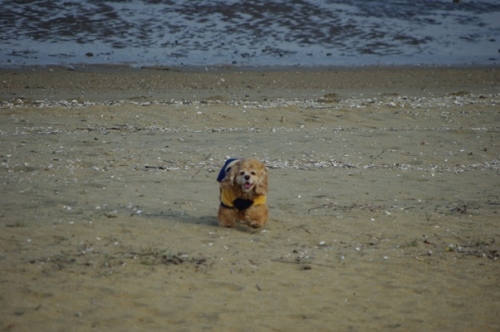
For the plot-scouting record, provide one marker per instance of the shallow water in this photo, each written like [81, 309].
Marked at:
[252, 33]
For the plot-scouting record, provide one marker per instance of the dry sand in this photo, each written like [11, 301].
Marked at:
[384, 199]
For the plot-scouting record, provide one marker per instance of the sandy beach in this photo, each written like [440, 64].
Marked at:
[384, 199]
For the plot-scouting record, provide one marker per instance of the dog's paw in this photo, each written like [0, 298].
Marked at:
[255, 224]
[227, 223]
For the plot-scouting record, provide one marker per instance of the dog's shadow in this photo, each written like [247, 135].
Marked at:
[184, 217]
[212, 221]
[209, 221]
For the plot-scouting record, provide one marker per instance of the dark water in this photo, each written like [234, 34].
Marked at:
[250, 33]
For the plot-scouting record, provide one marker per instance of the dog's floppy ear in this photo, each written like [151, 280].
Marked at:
[231, 171]
[261, 186]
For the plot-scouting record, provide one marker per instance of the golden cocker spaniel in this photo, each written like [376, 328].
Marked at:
[243, 190]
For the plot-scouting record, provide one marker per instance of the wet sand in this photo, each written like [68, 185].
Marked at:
[384, 199]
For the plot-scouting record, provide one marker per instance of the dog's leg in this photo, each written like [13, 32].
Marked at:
[256, 216]
[227, 217]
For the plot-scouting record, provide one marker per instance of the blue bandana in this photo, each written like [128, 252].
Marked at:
[227, 166]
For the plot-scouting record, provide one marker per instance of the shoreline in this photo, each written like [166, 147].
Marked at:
[245, 68]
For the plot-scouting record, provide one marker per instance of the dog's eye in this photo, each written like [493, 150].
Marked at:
[242, 173]
[253, 173]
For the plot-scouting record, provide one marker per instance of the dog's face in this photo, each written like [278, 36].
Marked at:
[248, 175]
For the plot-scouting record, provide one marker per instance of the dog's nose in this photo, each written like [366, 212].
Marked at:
[247, 177]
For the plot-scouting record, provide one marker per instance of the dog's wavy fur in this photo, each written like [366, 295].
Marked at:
[247, 178]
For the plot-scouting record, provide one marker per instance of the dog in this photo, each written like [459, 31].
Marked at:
[243, 193]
